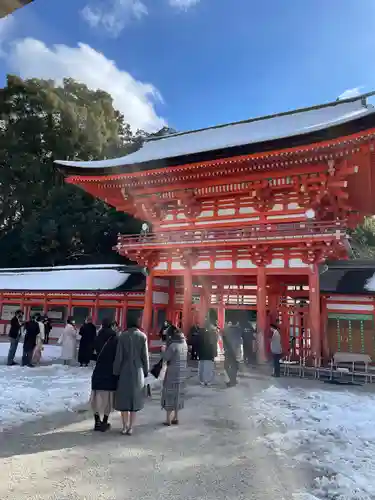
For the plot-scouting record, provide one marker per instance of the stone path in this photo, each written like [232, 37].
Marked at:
[214, 454]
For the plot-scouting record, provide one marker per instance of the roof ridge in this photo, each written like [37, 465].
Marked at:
[337, 102]
[82, 267]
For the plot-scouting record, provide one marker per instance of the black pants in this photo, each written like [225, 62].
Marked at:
[194, 350]
[231, 367]
[276, 364]
[248, 354]
[27, 357]
[46, 337]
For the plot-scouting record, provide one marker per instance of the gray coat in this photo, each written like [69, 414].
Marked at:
[173, 394]
[131, 366]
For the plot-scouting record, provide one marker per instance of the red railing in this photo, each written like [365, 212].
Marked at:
[259, 233]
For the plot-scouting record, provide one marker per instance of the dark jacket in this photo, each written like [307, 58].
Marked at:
[32, 331]
[193, 337]
[15, 328]
[87, 342]
[207, 345]
[105, 347]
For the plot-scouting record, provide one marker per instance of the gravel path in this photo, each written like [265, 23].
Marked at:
[213, 454]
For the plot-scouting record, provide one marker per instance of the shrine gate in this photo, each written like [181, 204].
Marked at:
[241, 215]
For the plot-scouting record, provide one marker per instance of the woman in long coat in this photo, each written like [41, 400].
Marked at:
[207, 352]
[68, 341]
[174, 383]
[87, 333]
[103, 381]
[131, 366]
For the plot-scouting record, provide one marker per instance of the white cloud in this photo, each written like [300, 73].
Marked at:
[6, 27]
[349, 93]
[113, 15]
[135, 99]
[183, 4]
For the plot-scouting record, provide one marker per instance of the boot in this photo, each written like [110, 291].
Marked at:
[98, 423]
[105, 426]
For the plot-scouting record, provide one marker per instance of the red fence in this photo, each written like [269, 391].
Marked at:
[256, 234]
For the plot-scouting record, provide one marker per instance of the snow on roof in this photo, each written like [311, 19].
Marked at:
[103, 277]
[237, 134]
[370, 284]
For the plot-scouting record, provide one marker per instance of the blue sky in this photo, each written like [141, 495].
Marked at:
[211, 62]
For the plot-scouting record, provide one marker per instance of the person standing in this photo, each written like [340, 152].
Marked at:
[37, 353]
[207, 352]
[248, 336]
[174, 383]
[30, 340]
[131, 366]
[103, 381]
[68, 341]
[14, 336]
[87, 333]
[276, 349]
[231, 348]
[194, 341]
[163, 331]
[47, 328]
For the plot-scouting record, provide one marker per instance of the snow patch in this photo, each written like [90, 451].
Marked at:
[333, 431]
[50, 353]
[30, 393]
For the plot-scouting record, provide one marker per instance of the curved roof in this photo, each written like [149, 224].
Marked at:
[70, 278]
[353, 277]
[8, 6]
[255, 132]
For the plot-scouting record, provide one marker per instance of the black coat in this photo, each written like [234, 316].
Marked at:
[105, 347]
[32, 331]
[15, 328]
[207, 345]
[87, 343]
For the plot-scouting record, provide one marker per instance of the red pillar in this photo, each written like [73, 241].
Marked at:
[124, 314]
[147, 310]
[205, 302]
[188, 301]
[220, 307]
[273, 302]
[323, 323]
[314, 310]
[171, 295]
[261, 313]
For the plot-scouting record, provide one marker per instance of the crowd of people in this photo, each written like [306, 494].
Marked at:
[122, 365]
[37, 331]
[122, 360]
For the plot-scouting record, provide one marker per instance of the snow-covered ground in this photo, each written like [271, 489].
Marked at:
[333, 431]
[29, 393]
[50, 353]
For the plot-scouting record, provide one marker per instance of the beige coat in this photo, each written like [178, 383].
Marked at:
[68, 342]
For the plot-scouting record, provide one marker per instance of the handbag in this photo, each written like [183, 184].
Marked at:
[156, 369]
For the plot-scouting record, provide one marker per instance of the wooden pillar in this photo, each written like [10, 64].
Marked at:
[124, 313]
[171, 297]
[273, 302]
[261, 314]
[220, 307]
[205, 302]
[45, 304]
[323, 326]
[314, 310]
[69, 305]
[188, 301]
[95, 310]
[147, 309]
